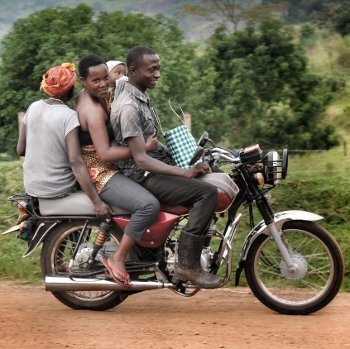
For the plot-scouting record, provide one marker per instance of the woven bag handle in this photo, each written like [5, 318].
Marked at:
[156, 117]
[174, 111]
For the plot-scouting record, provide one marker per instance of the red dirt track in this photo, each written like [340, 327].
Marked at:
[31, 318]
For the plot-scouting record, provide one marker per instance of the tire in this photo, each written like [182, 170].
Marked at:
[55, 256]
[318, 277]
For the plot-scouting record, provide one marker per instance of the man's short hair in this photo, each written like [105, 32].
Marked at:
[89, 61]
[136, 54]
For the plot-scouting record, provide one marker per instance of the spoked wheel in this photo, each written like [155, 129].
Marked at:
[317, 275]
[55, 258]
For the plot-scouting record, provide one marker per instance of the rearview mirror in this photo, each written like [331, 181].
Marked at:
[197, 155]
[203, 139]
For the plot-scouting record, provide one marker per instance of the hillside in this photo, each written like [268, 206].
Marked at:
[193, 29]
[329, 56]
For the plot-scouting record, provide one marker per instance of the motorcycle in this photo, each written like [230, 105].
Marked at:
[292, 264]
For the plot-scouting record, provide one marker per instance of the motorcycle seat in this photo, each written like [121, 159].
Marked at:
[75, 204]
[78, 203]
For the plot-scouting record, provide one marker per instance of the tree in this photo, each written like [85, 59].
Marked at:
[321, 12]
[52, 36]
[342, 22]
[260, 91]
[229, 14]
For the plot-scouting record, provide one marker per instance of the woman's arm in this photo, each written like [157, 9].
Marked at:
[81, 173]
[96, 124]
[21, 143]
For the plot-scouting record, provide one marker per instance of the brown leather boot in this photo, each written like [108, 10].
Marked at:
[188, 267]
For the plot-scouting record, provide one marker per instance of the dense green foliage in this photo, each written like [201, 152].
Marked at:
[342, 21]
[253, 83]
[57, 35]
[297, 11]
[256, 86]
[333, 14]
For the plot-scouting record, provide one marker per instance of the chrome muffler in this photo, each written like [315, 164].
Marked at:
[65, 283]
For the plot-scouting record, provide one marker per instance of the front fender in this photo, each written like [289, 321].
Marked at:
[280, 218]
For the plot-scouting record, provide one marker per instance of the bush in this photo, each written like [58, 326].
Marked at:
[307, 36]
[343, 60]
[335, 81]
[342, 22]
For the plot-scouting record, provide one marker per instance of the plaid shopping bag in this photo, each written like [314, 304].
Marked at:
[179, 141]
[181, 145]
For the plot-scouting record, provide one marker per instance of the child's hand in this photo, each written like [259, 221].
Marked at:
[151, 142]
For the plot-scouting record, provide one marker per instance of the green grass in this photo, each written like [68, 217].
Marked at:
[310, 186]
[12, 265]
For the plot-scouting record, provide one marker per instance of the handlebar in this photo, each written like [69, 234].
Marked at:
[223, 154]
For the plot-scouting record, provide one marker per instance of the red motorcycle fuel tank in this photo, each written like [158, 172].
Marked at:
[227, 189]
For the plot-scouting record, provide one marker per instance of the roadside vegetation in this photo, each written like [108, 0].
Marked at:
[301, 101]
[316, 182]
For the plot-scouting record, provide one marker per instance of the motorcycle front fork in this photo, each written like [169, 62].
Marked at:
[281, 243]
[275, 232]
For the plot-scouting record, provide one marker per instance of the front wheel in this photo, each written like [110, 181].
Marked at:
[318, 274]
[56, 256]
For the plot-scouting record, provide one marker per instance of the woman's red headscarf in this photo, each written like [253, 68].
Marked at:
[58, 80]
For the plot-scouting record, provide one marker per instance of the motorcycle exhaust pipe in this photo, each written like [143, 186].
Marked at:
[64, 283]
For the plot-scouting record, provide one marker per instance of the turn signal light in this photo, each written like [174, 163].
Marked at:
[22, 208]
[259, 178]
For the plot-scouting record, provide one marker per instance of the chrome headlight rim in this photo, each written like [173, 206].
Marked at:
[272, 168]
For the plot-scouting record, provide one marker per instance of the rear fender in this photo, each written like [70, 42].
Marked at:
[39, 235]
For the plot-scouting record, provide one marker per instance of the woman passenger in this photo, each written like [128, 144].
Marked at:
[114, 188]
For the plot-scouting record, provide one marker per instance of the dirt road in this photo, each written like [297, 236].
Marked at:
[32, 318]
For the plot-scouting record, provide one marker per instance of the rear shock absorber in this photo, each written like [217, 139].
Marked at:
[105, 228]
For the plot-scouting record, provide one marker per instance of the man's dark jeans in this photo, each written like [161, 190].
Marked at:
[200, 197]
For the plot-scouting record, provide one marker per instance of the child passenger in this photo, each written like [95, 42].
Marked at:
[117, 75]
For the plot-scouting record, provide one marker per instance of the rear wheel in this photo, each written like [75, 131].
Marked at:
[56, 255]
[316, 280]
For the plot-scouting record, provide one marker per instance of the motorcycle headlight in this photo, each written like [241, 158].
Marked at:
[259, 179]
[275, 168]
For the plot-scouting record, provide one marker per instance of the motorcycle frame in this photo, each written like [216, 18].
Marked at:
[47, 223]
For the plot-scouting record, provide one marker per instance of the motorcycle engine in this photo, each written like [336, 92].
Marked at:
[206, 258]
[85, 250]
[83, 256]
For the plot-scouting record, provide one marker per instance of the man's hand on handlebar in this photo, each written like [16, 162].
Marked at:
[200, 169]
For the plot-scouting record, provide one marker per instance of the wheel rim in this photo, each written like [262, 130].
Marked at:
[62, 253]
[315, 269]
